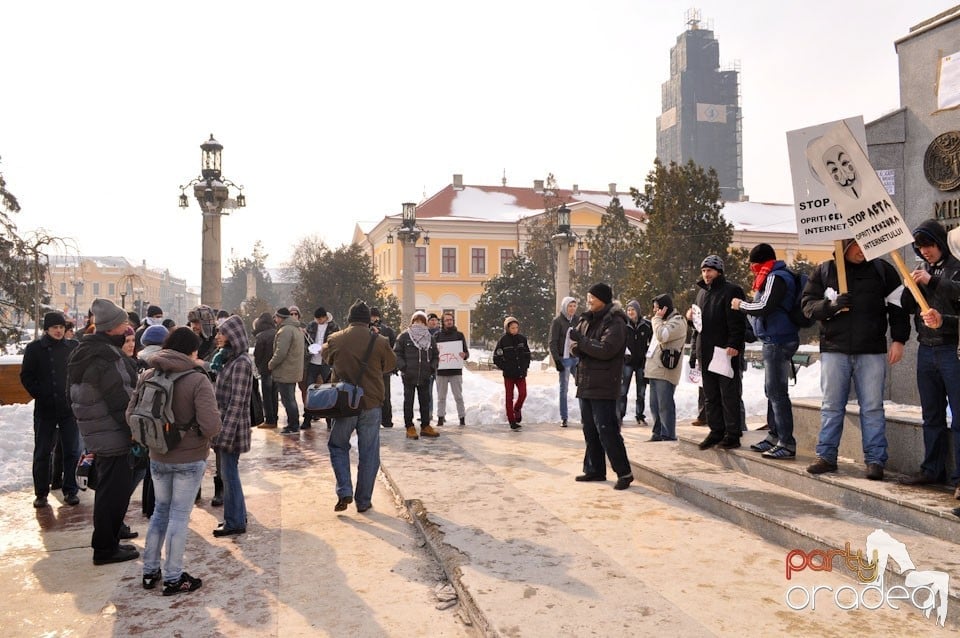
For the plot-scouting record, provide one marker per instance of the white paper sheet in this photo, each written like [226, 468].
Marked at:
[720, 364]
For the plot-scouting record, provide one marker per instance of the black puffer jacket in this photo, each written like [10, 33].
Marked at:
[101, 380]
[863, 329]
[512, 355]
[601, 352]
[941, 293]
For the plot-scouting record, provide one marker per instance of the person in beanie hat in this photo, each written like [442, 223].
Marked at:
[417, 358]
[382, 329]
[451, 377]
[344, 352]
[154, 318]
[512, 356]
[43, 373]
[560, 344]
[722, 330]
[101, 381]
[314, 369]
[203, 321]
[938, 371]
[286, 365]
[669, 335]
[639, 332]
[853, 349]
[151, 342]
[599, 341]
[774, 294]
[265, 331]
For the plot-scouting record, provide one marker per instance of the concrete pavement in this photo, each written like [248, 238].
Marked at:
[531, 553]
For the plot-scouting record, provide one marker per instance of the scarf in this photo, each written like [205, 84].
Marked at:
[220, 358]
[420, 335]
[761, 271]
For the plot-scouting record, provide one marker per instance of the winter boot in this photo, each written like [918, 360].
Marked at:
[427, 430]
[439, 421]
[217, 499]
[463, 420]
[412, 432]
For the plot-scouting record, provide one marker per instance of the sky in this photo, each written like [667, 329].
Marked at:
[332, 114]
[483, 400]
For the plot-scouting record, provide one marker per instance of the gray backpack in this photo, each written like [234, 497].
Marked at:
[151, 421]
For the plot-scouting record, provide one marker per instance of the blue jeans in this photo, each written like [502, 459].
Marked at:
[629, 372]
[776, 373]
[45, 433]
[268, 390]
[601, 432]
[868, 373]
[569, 368]
[938, 382]
[663, 409]
[288, 397]
[367, 425]
[175, 489]
[234, 506]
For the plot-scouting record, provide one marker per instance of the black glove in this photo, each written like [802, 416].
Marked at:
[575, 335]
[841, 302]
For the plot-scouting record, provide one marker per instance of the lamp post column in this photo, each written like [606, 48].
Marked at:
[562, 244]
[409, 296]
[211, 293]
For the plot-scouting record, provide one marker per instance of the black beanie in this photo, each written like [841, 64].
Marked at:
[154, 311]
[359, 313]
[52, 319]
[602, 291]
[762, 253]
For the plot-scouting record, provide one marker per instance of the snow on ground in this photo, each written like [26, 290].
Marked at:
[483, 396]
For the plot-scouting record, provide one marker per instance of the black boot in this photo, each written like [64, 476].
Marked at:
[217, 500]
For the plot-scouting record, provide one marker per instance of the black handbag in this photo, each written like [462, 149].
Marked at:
[336, 400]
[256, 405]
[670, 358]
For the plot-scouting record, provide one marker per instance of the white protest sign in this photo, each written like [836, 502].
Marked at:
[818, 220]
[858, 193]
[450, 358]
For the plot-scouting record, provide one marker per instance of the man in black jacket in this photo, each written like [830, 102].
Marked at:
[721, 333]
[938, 369]
[853, 348]
[600, 339]
[44, 375]
[639, 333]
[101, 380]
[382, 329]
[265, 331]
[452, 376]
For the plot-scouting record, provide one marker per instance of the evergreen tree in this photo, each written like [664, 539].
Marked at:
[684, 225]
[613, 248]
[14, 295]
[540, 230]
[335, 279]
[519, 291]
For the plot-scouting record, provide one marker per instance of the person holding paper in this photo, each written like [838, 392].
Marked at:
[853, 348]
[938, 369]
[453, 352]
[560, 344]
[720, 345]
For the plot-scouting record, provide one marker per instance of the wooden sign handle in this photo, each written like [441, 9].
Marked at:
[908, 280]
[841, 268]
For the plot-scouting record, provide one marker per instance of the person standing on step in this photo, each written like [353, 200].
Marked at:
[639, 332]
[938, 368]
[451, 377]
[512, 356]
[382, 329]
[669, 335]
[43, 375]
[775, 291]
[853, 349]
[599, 341]
[721, 335]
[286, 365]
[265, 332]
[560, 344]
[344, 352]
[417, 357]
[101, 380]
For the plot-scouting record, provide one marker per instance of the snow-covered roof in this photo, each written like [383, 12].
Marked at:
[761, 217]
[69, 261]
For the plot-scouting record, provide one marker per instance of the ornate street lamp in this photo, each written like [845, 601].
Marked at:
[564, 240]
[212, 192]
[408, 232]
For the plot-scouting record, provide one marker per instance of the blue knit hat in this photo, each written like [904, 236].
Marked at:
[153, 336]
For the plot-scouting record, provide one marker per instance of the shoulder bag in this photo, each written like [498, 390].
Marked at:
[342, 399]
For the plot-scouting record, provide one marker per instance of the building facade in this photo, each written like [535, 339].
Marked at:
[916, 149]
[700, 117]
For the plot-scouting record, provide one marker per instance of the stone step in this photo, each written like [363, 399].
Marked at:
[927, 509]
[792, 519]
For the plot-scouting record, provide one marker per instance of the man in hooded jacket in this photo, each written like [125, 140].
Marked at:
[560, 344]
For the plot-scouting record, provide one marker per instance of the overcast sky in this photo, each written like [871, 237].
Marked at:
[334, 113]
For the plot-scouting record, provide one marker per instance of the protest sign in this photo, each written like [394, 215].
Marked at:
[450, 358]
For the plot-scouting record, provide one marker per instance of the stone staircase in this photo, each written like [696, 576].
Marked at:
[781, 502]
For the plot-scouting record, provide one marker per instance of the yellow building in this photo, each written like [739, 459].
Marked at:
[474, 230]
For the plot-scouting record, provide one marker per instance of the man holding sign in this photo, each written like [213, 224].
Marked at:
[453, 352]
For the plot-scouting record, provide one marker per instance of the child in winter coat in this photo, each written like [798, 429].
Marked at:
[512, 355]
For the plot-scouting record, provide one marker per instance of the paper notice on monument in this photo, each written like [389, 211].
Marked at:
[818, 220]
[948, 82]
[858, 193]
[720, 364]
[450, 358]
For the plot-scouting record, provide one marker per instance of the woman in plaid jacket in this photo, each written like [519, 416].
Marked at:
[234, 386]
